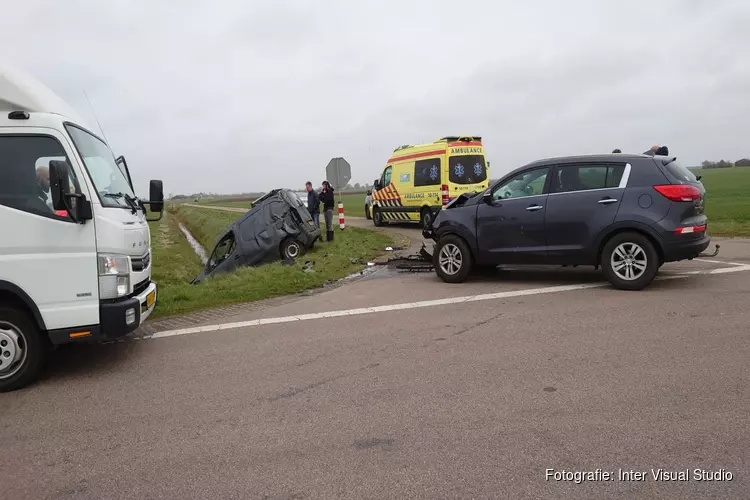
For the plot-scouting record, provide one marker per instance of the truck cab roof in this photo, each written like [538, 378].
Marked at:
[20, 92]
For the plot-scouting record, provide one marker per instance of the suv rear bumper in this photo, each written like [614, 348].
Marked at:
[680, 250]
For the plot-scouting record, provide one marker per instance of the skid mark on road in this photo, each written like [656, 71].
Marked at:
[427, 303]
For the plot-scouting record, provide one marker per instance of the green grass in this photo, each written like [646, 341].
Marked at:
[354, 203]
[727, 200]
[175, 263]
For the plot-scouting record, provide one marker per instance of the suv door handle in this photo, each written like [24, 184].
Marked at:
[534, 208]
[607, 201]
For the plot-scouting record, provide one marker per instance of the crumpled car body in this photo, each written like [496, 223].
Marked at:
[277, 221]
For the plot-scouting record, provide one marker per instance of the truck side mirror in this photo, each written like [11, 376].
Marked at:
[156, 195]
[64, 198]
[59, 184]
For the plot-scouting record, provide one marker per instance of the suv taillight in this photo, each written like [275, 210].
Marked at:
[679, 192]
[446, 194]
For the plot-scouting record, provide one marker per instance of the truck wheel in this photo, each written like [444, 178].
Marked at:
[425, 218]
[377, 217]
[291, 249]
[452, 259]
[629, 261]
[367, 212]
[22, 349]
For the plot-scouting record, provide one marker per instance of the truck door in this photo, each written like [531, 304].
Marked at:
[43, 252]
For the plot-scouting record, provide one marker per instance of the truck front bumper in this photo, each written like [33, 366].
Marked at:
[116, 318]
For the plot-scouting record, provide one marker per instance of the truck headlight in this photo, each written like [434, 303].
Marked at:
[114, 275]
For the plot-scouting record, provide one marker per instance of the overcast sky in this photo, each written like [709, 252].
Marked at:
[233, 96]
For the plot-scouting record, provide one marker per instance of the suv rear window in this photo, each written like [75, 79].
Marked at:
[467, 169]
[682, 174]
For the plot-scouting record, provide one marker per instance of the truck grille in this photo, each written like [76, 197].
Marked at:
[141, 263]
[141, 287]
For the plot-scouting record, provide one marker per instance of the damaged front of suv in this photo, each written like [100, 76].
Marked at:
[278, 226]
[450, 219]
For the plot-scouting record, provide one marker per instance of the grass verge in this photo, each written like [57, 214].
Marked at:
[175, 263]
[727, 200]
[354, 203]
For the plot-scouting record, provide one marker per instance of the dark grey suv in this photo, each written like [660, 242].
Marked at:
[626, 213]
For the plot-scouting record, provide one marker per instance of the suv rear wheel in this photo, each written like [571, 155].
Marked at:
[629, 261]
[22, 349]
[452, 259]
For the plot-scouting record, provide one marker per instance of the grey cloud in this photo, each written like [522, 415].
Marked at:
[229, 96]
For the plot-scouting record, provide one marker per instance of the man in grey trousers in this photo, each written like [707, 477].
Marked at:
[326, 198]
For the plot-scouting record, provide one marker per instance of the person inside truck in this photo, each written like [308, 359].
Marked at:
[42, 179]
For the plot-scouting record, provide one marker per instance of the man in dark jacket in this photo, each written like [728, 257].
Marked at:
[326, 197]
[313, 203]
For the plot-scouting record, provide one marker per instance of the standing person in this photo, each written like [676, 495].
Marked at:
[313, 203]
[326, 197]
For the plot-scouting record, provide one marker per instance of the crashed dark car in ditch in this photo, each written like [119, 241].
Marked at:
[278, 226]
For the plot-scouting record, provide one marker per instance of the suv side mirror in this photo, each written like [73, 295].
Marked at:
[64, 198]
[487, 197]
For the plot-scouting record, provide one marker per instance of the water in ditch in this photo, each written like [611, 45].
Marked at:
[197, 247]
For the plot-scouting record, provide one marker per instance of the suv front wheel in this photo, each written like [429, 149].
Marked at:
[629, 261]
[452, 259]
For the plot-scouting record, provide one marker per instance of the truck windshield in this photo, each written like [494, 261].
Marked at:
[108, 179]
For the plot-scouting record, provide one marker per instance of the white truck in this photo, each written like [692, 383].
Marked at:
[75, 247]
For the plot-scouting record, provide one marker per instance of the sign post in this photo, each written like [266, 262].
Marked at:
[339, 173]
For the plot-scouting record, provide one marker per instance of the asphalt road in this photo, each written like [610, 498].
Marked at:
[454, 398]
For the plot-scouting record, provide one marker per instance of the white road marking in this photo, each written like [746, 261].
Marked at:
[720, 262]
[423, 303]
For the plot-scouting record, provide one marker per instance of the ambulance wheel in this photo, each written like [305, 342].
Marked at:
[22, 348]
[367, 213]
[377, 217]
[291, 249]
[425, 217]
[452, 259]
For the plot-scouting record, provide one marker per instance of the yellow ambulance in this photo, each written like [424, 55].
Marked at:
[418, 180]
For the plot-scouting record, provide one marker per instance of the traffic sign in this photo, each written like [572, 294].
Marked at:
[338, 172]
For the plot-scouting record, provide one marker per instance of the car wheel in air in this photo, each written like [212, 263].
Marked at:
[377, 217]
[291, 249]
[452, 259]
[22, 349]
[629, 261]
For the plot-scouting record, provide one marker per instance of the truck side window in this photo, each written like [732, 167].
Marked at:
[24, 173]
